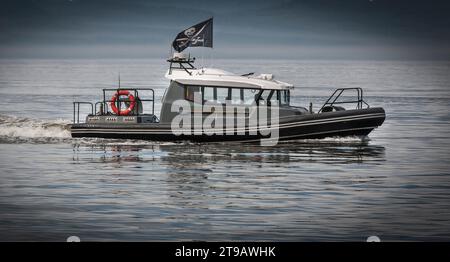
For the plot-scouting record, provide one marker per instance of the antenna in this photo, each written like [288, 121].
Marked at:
[119, 80]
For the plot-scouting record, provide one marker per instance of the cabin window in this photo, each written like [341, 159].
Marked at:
[190, 91]
[249, 95]
[208, 94]
[273, 97]
[284, 99]
[236, 96]
[222, 94]
[264, 97]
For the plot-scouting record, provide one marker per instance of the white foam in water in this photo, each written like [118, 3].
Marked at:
[347, 139]
[24, 128]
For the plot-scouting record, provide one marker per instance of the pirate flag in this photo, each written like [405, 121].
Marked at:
[197, 35]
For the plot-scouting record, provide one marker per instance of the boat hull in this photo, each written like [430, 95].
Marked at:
[331, 124]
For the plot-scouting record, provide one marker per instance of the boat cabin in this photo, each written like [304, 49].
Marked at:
[215, 87]
[203, 88]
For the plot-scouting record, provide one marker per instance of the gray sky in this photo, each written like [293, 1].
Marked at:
[307, 29]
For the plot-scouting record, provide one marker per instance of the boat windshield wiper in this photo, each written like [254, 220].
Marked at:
[248, 74]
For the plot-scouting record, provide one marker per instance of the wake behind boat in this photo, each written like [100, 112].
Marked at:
[213, 105]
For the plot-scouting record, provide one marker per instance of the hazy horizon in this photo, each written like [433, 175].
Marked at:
[307, 29]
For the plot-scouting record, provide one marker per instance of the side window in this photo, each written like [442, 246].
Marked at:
[284, 97]
[208, 94]
[190, 91]
[274, 98]
[222, 94]
[249, 95]
[264, 97]
[236, 96]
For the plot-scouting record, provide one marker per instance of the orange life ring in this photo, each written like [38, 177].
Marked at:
[126, 111]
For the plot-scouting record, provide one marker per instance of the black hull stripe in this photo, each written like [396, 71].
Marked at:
[284, 126]
[282, 138]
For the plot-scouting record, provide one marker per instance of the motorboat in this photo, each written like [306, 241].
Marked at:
[214, 105]
[121, 112]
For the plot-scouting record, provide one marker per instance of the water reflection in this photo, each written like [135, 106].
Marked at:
[187, 158]
[237, 191]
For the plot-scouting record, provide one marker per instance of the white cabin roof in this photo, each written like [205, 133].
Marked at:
[218, 77]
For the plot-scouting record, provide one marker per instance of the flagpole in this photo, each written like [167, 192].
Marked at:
[212, 37]
[212, 41]
[203, 52]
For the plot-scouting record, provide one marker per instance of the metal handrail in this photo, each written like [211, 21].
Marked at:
[338, 92]
[180, 62]
[104, 103]
[76, 110]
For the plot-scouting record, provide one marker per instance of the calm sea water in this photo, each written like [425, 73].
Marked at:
[395, 184]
